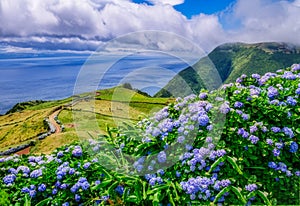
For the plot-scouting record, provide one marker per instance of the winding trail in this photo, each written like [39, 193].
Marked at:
[54, 123]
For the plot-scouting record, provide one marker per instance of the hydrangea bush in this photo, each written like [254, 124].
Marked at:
[237, 145]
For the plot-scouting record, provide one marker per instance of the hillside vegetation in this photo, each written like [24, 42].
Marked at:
[238, 145]
[25, 121]
[230, 61]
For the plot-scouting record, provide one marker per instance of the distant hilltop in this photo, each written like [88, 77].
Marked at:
[229, 61]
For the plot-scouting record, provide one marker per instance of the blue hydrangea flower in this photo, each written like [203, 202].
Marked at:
[72, 171]
[25, 190]
[291, 101]
[12, 171]
[272, 92]
[87, 165]
[60, 154]
[203, 120]
[24, 169]
[203, 95]
[276, 152]
[9, 179]
[253, 139]
[63, 186]
[54, 191]
[224, 108]
[120, 189]
[161, 157]
[36, 173]
[253, 129]
[288, 131]
[275, 129]
[251, 187]
[77, 198]
[293, 147]
[42, 187]
[279, 145]
[238, 104]
[32, 193]
[77, 152]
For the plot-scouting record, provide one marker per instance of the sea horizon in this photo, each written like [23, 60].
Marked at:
[52, 76]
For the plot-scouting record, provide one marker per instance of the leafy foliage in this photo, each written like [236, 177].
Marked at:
[237, 145]
[231, 61]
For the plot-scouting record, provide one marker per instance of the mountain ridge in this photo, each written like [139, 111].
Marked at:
[227, 62]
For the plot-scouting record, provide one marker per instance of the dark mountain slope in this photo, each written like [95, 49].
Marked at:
[227, 62]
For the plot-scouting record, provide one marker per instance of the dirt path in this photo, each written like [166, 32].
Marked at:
[24, 151]
[54, 123]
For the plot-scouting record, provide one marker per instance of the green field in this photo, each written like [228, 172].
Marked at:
[91, 112]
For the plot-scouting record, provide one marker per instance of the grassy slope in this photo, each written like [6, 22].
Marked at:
[111, 106]
[231, 61]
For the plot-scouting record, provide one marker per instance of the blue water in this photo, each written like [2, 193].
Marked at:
[25, 77]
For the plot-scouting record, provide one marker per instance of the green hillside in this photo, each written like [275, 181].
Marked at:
[25, 121]
[227, 62]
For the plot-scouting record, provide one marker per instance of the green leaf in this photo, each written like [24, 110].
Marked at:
[175, 191]
[234, 165]
[132, 198]
[27, 201]
[220, 194]
[161, 187]
[144, 191]
[264, 197]
[238, 194]
[112, 187]
[216, 163]
[43, 202]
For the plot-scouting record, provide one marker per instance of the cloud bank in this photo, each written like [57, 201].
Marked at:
[88, 24]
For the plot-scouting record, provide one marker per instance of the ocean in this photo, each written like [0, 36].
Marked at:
[52, 76]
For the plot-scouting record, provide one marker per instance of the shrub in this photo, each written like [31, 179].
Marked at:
[237, 145]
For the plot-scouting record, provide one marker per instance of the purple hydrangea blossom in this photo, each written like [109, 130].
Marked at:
[161, 157]
[224, 108]
[289, 75]
[279, 145]
[32, 193]
[42, 187]
[9, 179]
[77, 198]
[272, 92]
[87, 165]
[276, 152]
[291, 101]
[294, 147]
[253, 139]
[238, 104]
[253, 129]
[288, 131]
[251, 187]
[36, 173]
[272, 165]
[77, 152]
[275, 129]
[245, 117]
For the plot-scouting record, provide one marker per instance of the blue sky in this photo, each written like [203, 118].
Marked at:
[194, 7]
[86, 25]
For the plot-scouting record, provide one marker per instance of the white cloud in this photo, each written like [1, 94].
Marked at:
[87, 24]
[267, 20]
[171, 2]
